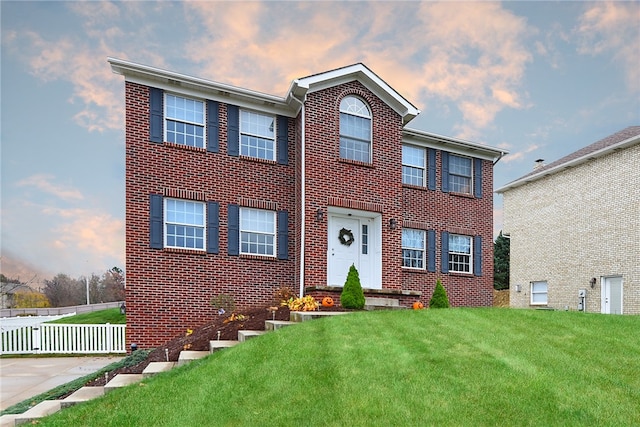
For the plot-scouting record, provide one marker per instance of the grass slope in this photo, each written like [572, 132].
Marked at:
[110, 315]
[430, 367]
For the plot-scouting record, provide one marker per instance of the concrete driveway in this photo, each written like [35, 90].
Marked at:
[23, 378]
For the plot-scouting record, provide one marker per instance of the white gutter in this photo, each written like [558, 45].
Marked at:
[303, 197]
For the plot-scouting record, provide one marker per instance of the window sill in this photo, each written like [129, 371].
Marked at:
[184, 147]
[356, 163]
[415, 270]
[256, 159]
[259, 257]
[465, 195]
[416, 187]
[185, 251]
[460, 274]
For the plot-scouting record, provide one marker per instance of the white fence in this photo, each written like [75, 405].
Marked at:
[64, 339]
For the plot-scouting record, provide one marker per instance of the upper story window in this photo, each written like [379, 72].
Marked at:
[355, 130]
[460, 173]
[257, 135]
[539, 293]
[184, 121]
[257, 232]
[184, 223]
[413, 248]
[460, 250]
[413, 165]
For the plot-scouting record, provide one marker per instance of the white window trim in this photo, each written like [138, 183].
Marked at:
[470, 254]
[471, 176]
[424, 250]
[531, 293]
[165, 117]
[274, 234]
[165, 222]
[275, 133]
[369, 116]
[425, 166]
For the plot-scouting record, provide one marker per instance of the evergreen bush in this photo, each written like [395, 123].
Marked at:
[439, 298]
[352, 295]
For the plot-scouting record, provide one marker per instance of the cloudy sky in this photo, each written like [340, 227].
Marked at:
[540, 79]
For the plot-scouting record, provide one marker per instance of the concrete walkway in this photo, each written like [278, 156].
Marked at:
[23, 378]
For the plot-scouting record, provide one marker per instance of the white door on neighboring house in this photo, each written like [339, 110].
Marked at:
[354, 240]
[612, 295]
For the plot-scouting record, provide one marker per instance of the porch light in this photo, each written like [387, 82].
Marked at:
[393, 223]
[319, 215]
[593, 282]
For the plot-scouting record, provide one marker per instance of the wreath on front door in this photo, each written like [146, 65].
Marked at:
[345, 237]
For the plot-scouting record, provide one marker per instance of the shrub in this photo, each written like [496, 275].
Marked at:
[439, 298]
[352, 295]
[306, 303]
[284, 293]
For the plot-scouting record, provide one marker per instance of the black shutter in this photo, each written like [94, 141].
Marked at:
[213, 126]
[233, 130]
[477, 256]
[156, 240]
[445, 171]
[213, 227]
[431, 168]
[477, 177]
[156, 114]
[283, 140]
[431, 250]
[233, 230]
[445, 251]
[283, 235]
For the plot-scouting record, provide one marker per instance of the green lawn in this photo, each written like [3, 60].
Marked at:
[462, 367]
[110, 315]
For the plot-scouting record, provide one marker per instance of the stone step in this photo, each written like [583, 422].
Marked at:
[272, 325]
[187, 356]
[8, 420]
[219, 344]
[245, 335]
[157, 367]
[381, 302]
[42, 409]
[81, 395]
[303, 316]
[122, 380]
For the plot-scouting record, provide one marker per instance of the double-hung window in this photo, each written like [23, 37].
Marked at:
[413, 165]
[413, 248]
[355, 130]
[184, 121]
[257, 232]
[539, 293]
[184, 222]
[460, 252]
[257, 135]
[460, 173]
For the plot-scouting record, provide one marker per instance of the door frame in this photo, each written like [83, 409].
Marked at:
[374, 244]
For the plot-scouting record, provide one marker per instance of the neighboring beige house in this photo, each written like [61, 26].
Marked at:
[574, 226]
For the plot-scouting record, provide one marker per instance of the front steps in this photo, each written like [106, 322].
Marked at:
[49, 407]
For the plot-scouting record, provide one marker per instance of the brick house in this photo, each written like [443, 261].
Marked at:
[574, 226]
[235, 192]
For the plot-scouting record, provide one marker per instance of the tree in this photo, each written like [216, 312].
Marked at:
[439, 299]
[113, 285]
[30, 299]
[501, 262]
[63, 291]
[352, 295]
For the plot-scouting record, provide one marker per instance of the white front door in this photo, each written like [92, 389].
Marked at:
[612, 295]
[354, 240]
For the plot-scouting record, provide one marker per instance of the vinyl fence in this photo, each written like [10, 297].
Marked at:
[64, 339]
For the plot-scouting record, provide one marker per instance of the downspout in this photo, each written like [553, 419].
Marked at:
[303, 197]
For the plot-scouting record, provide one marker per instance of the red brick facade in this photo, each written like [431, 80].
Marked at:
[169, 290]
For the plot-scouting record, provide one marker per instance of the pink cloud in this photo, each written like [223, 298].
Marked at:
[44, 183]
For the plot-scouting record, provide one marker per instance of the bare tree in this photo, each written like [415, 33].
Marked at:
[63, 291]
